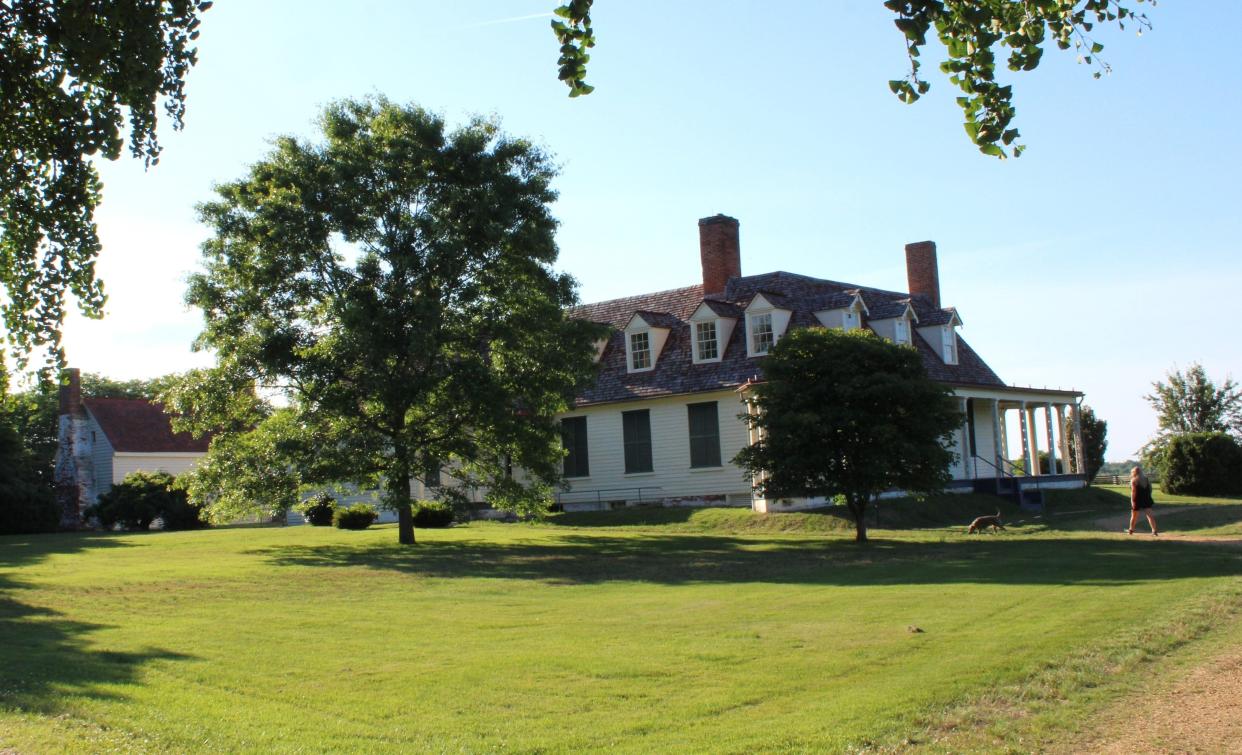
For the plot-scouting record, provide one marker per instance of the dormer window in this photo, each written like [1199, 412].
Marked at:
[767, 319]
[950, 345]
[640, 351]
[762, 337]
[940, 332]
[901, 331]
[711, 327]
[645, 335]
[706, 346]
[850, 319]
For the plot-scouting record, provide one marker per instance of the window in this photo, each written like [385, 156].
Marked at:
[761, 337]
[704, 435]
[849, 320]
[706, 347]
[640, 351]
[901, 330]
[950, 346]
[636, 433]
[574, 439]
[970, 426]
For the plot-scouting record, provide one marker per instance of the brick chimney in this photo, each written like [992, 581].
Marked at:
[719, 251]
[71, 392]
[921, 270]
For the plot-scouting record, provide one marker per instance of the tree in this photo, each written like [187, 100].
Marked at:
[848, 414]
[395, 282]
[1191, 403]
[72, 76]
[972, 33]
[1094, 440]
[1202, 463]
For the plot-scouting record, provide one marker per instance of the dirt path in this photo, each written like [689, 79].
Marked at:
[1199, 712]
[1118, 523]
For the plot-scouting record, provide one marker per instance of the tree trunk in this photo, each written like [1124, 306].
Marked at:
[399, 499]
[859, 509]
[405, 523]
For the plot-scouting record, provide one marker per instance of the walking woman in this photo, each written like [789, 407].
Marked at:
[1140, 500]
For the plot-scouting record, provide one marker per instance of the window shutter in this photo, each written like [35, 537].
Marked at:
[636, 432]
[704, 435]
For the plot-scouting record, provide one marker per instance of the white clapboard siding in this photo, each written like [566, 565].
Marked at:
[672, 476]
[125, 462]
[101, 457]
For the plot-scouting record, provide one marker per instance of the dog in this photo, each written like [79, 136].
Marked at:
[983, 522]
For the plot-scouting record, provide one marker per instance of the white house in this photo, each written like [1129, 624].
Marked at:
[104, 439]
[662, 421]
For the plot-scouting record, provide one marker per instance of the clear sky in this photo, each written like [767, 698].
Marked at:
[1103, 257]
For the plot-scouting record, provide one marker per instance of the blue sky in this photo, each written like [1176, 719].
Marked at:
[1103, 257]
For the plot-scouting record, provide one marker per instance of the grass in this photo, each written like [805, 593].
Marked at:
[699, 630]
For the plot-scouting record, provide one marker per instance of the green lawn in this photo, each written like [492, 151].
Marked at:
[711, 631]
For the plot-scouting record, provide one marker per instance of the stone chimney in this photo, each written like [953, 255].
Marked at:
[74, 472]
[719, 251]
[71, 392]
[921, 270]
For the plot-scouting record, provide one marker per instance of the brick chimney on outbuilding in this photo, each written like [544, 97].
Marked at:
[719, 251]
[921, 270]
[71, 392]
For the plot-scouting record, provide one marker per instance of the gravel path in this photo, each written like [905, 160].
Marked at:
[1118, 523]
[1200, 712]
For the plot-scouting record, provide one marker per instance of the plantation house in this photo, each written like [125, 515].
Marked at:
[662, 421]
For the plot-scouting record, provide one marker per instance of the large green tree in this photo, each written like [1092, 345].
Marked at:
[1191, 402]
[74, 74]
[395, 281]
[972, 32]
[850, 415]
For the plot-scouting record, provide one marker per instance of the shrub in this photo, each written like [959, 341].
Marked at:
[356, 517]
[432, 514]
[1203, 464]
[141, 498]
[318, 511]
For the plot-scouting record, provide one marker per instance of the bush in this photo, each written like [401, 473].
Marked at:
[1203, 464]
[143, 497]
[432, 514]
[356, 517]
[318, 511]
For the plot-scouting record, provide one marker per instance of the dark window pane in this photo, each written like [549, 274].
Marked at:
[636, 431]
[704, 435]
[574, 439]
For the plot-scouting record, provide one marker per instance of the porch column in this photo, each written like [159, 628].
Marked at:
[1052, 445]
[1026, 416]
[1078, 449]
[1034, 436]
[963, 434]
[1064, 440]
[997, 460]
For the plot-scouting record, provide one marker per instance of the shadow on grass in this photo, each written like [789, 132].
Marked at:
[684, 559]
[44, 654]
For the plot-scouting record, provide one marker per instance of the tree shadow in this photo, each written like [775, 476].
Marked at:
[685, 559]
[44, 654]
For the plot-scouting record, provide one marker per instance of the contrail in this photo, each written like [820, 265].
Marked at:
[510, 20]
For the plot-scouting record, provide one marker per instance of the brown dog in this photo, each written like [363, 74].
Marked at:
[983, 522]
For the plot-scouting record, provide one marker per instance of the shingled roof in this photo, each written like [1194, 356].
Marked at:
[136, 425]
[675, 372]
